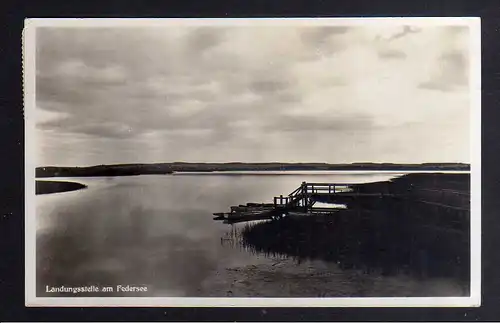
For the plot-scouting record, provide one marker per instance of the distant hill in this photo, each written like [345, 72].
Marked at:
[169, 168]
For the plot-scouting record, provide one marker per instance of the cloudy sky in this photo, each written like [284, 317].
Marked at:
[252, 93]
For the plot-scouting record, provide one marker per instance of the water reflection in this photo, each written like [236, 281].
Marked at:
[157, 231]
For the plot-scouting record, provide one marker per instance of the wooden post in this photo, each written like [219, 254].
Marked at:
[302, 193]
[305, 197]
[281, 199]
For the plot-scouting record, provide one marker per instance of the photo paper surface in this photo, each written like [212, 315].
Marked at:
[328, 162]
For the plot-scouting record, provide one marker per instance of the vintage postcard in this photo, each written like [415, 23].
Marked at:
[253, 162]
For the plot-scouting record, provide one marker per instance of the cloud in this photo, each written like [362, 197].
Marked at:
[260, 86]
[450, 69]
[435, 86]
[452, 72]
[327, 123]
[199, 39]
[202, 73]
[321, 37]
[190, 89]
[99, 129]
[73, 70]
[391, 54]
[406, 30]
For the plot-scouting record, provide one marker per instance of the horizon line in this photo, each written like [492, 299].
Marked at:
[268, 162]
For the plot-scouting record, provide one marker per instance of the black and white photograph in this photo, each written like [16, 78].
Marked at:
[327, 162]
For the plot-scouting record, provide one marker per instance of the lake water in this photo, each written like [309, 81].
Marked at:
[157, 231]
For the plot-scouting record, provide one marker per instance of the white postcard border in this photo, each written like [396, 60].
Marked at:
[29, 73]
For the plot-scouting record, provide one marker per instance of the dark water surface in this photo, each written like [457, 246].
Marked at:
[156, 231]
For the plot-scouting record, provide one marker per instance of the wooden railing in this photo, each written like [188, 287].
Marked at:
[325, 188]
[305, 189]
[282, 200]
[296, 191]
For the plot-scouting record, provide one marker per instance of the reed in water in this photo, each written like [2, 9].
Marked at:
[393, 236]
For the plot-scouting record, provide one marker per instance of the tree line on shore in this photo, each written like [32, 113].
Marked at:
[169, 168]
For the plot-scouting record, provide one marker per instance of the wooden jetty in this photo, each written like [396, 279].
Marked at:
[299, 202]
[302, 200]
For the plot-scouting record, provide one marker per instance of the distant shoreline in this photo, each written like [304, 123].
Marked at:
[170, 168]
[49, 187]
[321, 172]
